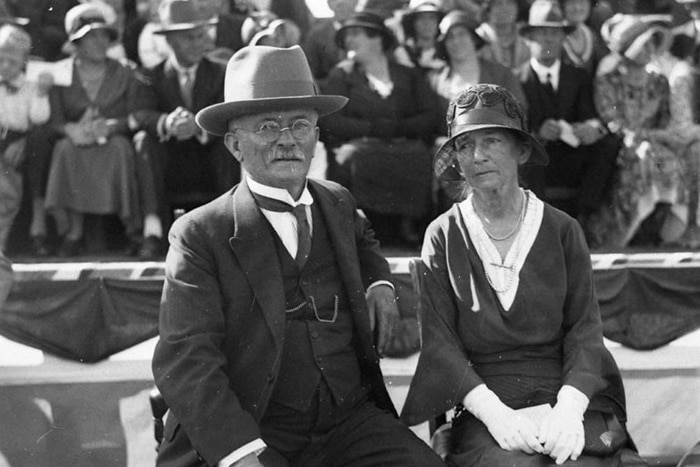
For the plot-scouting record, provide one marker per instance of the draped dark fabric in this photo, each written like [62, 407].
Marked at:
[91, 318]
[83, 320]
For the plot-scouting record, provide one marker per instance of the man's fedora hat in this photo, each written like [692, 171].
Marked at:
[368, 20]
[180, 15]
[262, 79]
[546, 14]
[478, 107]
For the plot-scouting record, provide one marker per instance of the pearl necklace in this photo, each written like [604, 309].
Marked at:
[512, 231]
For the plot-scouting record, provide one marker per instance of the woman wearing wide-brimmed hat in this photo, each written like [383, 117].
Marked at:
[512, 332]
[92, 167]
[380, 137]
[650, 198]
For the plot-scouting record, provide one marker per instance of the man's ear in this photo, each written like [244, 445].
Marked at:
[232, 143]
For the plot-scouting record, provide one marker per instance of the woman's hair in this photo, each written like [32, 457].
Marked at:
[14, 37]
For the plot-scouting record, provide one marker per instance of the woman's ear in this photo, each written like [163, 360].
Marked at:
[525, 153]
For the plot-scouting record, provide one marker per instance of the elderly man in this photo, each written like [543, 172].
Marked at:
[273, 294]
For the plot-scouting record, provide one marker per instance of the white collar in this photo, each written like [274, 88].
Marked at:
[280, 194]
[542, 71]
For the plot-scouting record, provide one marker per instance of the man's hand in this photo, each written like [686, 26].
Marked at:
[251, 460]
[180, 124]
[586, 133]
[550, 130]
[383, 314]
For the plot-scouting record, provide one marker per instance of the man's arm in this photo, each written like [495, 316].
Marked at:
[189, 364]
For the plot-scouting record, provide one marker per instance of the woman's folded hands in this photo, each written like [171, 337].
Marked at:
[561, 431]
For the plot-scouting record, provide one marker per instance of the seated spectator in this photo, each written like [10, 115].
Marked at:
[380, 139]
[500, 31]
[92, 164]
[225, 37]
[512, 333]
[23, 105]
[582, 153]
[583, 46]
[458, 44]
[45, 25]
[145, 12]
[650, 198]
[319, 46]
[152, 48]
[180, 166]
[419, 25]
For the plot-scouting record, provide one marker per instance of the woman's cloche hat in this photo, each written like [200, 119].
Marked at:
[417, 7]
[478, 107]
[546, 14]
[86, 17]
[261, 79]
[457, 18]
[369, 20]
[180, 15]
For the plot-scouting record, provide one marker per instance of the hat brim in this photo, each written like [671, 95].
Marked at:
[180, 27]
[83, 31]
[526, 29]
[214, 119]
[446, 167]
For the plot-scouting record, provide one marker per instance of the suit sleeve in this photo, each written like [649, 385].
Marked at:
[189, 361]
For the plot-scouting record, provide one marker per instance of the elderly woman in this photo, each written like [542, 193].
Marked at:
[380, 138]
[654, 198]
[512, 332]
[92, 169]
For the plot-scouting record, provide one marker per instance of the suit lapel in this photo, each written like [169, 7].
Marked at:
[254, 246]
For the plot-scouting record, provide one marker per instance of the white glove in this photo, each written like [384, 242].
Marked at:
[511, 431]
[561, 432]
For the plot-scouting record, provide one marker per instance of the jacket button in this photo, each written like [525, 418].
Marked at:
[314, 335]
[270, 378]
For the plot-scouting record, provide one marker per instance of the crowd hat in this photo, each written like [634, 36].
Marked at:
[180, 15]
[625, 34]
[417, 7]
[368, 20]
[262, 79]
[479, 107]
[546, 14]
[86, 17]
[457, 18]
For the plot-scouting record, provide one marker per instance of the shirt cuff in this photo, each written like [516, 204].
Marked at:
[161, 130]
[374, 284]
[254, 447]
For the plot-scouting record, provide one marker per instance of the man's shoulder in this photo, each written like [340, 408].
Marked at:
[330, 187]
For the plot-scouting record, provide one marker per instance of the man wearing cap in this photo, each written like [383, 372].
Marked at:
[176, 158]
[582, 153]
[273, 294]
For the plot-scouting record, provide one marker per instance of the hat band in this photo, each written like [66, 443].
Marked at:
[484, 117]
[273, 89]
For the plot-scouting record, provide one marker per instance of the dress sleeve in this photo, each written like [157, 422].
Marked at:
[584, 353]
[444, 374]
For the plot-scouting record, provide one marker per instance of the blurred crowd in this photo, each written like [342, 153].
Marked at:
[99, 148]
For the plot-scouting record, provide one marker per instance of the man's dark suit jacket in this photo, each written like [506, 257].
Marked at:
[165, 91]
[574, 98]
[222, 320]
